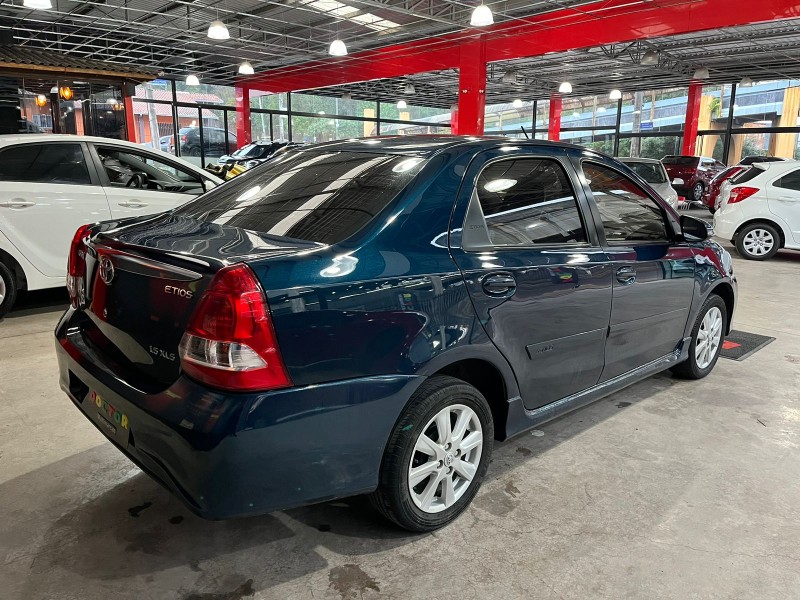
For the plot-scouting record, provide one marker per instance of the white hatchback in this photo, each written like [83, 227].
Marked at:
[52, 184]
[760, 209]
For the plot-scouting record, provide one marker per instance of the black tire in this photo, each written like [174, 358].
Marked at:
[697, 192]
[753, 228]
[393, 497]
[8, 289]
[690, 369]
[194, 151]
[712, 210]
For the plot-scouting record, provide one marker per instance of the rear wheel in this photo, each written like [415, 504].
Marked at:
[436, 457]
[8, 289]
[697, 192]
[707, 335]
[758, 241]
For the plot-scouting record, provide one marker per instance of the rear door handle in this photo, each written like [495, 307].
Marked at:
[788, 198]
[626, 275]
[498, 284]
[132, 204]
[17, 203]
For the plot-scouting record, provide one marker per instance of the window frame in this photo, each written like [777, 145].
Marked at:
[669, 223]
[91, 167]
[474, 198]
[104, 181]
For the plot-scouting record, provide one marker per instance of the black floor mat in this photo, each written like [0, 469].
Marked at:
[738, 345]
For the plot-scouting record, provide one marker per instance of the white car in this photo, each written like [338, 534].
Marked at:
[760, 209]
[654, 173]
[52, 184]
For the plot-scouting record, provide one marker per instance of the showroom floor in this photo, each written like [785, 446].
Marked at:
[669, 489]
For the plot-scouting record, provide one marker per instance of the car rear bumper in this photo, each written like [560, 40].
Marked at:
[726, 221]
[228, 455]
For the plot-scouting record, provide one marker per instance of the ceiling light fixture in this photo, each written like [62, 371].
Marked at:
[565, 87]
[192, 80]
[410, 89]
[510, 77]
[337, 48]
[650, 58]
[37, 4]
[701, 73]
[347, 96]
[402, 104]
[246, 69]
[615, 95]
[517, 103]
[481, 16]
[218, 31]
[41, 100]
[746, 81]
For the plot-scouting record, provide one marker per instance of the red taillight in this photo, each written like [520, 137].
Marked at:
[185, 139]
[741, 193]
[230, 342]
[76, 263]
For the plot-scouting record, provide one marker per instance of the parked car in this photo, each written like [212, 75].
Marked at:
[696, 173]
[711, 195]
[51, 184]
[760, 210]
[166, 143]
[213, 141]
[252, 154]
[654, 173]
[367, 316]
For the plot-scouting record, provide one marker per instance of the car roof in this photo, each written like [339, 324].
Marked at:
[9, 139]
[428, 145]
[652, 161]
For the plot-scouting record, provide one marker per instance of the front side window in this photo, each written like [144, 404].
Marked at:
[324, 196]
[529, 201]
[790, 181]
[628, 213]
[44, 163]
[143, 171]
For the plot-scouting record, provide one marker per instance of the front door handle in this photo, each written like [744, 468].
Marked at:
[132, 204]
[17, 203]
[498, 284]
[626, 275]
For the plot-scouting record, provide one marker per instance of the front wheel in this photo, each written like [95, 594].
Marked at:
[697, 192]
[436, 457]
[758, 241]
[707, 334]
[8, 289]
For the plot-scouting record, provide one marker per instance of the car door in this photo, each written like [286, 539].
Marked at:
[138, 182]
[653, 280]
[47, 191]
[783, 198]
[537, 276]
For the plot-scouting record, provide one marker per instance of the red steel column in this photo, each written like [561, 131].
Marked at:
[130, 118]
[692, 116]
[554, 124]
[243, 129]
[471, 87]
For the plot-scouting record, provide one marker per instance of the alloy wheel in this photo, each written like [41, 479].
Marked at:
[697, 192]
[709, 337]
[758, 242]
[445, 459]
[2, 290]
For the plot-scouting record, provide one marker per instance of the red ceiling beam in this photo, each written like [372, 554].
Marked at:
[604, 22]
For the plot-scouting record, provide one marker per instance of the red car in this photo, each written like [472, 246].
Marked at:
[696, 173]
[710, 197]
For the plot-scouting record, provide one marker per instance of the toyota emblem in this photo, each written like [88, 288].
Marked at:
[107, 270]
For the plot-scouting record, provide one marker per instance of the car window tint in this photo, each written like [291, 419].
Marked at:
[529, 201]
[123, 168]
[44, 163]
[790, 181]
[323, 196]
[650, 172]
[746, 175]
[628, 213]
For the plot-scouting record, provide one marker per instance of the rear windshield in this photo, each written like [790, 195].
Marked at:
[684, 161]
[746, 175]
[323, 197]
[650, 172]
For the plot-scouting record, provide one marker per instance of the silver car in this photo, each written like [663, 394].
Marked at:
[653, 172]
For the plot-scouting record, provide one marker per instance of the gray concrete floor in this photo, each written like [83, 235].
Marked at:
[669, 489]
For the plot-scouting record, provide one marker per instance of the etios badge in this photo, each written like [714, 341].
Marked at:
[106, 271]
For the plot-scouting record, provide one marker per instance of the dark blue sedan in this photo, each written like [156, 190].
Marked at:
[367, 316]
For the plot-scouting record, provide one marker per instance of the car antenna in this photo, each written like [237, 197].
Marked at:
[525, 133]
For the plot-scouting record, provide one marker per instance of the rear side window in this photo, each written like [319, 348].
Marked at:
[323, 197]
[790, 181]
[44, 163]
[628, 213]
[529, 201]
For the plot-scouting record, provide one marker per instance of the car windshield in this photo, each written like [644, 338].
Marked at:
[323, 197]
[684, 161]
[650, 172]
[248, 150]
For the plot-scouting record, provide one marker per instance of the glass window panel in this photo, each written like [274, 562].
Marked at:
[529, 201]
[139, 170]
[650, 147]
[711, 145]
[189, 134]
[627, 212]
[767, 104]
[542, 115]
[44, 163]
[602, 141]
[311, 130]
[589, 112]
[654, 110]
[158, 89]
[267, 101]
[409, 129]
[505, 119]
[206, 94]
[414, 113]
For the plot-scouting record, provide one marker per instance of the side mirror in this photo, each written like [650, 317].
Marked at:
[677, 181]
[695, 229]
